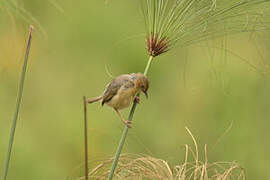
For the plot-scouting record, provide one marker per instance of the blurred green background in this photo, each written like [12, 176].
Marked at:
[75, 47]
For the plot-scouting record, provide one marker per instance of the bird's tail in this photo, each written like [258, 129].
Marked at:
[94, 99]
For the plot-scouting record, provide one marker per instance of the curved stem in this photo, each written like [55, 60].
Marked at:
[124, 135]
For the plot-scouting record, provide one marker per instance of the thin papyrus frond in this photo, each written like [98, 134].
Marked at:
[185, 22]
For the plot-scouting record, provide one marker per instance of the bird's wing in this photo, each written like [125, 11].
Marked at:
[115, 85]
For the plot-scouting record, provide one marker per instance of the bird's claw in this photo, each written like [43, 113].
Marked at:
[137, 99]
[128, 123]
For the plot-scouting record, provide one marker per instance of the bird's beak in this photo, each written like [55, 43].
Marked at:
[146, 94]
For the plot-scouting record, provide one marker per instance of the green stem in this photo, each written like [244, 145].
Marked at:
[124, 135]
[148, 65]
[19, 99]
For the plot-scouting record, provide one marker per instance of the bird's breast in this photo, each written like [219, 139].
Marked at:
[123, 98]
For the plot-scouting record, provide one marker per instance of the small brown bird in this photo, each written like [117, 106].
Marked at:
[121, 92]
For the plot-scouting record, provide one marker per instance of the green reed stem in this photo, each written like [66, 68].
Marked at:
[18, 103]
[124, 135]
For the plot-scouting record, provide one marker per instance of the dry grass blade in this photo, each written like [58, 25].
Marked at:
[131, 167]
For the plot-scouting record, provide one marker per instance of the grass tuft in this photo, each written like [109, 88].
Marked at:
[132, 166]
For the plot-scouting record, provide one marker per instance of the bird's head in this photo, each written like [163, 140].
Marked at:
[142, 83]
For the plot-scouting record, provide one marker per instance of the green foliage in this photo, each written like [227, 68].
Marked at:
[185, 22]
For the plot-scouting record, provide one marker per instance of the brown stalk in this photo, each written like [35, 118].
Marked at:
[85, 137]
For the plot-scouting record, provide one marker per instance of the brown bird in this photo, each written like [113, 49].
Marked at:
[121, 92]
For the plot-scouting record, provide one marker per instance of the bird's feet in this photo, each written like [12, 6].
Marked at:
[128, 123]
[137, 99]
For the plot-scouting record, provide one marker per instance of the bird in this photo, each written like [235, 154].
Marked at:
[122, 91]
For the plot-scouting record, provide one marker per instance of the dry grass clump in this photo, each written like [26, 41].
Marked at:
[131, 167]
